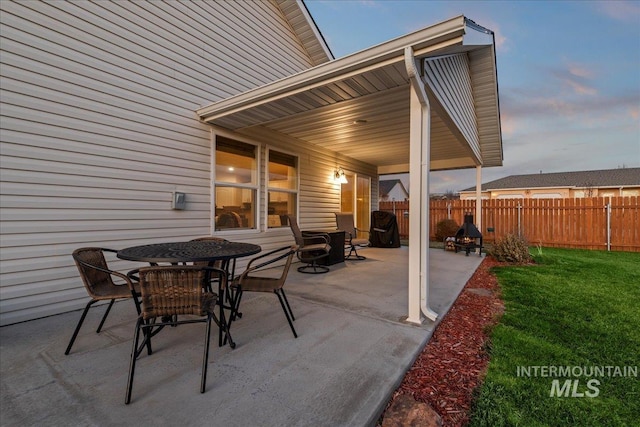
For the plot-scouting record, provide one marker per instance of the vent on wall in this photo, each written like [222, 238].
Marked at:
[178, 201]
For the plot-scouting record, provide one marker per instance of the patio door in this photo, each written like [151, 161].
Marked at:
[355, 197]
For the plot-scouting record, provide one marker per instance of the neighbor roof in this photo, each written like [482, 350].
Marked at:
[594, 178]
[385, 186]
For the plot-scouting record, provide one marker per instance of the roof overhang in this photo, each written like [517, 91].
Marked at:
[359, 105]
[303, 25]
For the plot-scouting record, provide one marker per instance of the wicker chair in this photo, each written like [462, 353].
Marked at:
[166, 293]
[344, 222]
[98, 281]
[251, 280]
[311, 248]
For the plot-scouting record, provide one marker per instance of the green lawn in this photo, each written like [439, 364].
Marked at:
[576, 310]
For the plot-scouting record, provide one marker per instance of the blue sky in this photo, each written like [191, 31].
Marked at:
[568, 75]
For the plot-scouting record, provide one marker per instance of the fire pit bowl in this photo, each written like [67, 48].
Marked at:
[468, 237]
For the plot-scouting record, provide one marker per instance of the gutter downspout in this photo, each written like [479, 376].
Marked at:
[420, 140]
[479, 199]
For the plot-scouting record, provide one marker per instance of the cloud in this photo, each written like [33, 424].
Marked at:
[500, 39]
[577, 77]
[518, 104]
[623, 11]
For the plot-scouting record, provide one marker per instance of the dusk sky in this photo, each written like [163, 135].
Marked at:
[568, 75]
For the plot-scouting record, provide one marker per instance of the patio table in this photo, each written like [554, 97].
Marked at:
[192, 251]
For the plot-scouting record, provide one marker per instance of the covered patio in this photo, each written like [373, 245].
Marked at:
[425, 101]
[352, 352]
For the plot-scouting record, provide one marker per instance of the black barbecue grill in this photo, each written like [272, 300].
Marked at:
[468, 237]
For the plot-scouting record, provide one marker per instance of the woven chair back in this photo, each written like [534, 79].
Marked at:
[97, 281]
[174, 290]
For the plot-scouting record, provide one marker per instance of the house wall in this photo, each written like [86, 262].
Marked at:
[98, 130]
[553, 193]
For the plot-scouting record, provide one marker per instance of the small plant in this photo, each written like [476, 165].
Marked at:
[539, 247]
[512, 248]
[446, 228]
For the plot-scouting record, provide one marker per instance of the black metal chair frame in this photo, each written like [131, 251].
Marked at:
[171, 319]
[311, 248]
[274, 284]
[352, 240]
[81, 264]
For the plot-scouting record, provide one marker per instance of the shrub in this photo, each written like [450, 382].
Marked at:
[446, 228]
[512, 248]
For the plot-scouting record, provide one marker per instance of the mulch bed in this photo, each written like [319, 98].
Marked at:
[453, 363]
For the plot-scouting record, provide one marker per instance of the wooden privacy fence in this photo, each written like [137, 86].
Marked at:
[588, 223]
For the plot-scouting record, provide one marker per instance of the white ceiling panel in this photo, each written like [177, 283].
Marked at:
[359, 105]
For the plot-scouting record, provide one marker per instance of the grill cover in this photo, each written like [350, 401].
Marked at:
[384, 230]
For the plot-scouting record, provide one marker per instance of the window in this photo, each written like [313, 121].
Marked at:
[236, 184]
[282, 188]
[355, 196]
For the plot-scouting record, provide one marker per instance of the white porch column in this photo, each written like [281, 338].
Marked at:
[478, 217]
[419, 144]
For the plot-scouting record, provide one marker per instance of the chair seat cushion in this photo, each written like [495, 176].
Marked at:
[317, 247]
[360, 242]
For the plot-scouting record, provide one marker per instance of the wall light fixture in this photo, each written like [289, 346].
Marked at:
[339, 176]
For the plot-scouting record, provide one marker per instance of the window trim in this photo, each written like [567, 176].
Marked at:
[252, 186]
[267, 189]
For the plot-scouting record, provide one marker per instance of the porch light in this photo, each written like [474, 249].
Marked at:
[339, 176]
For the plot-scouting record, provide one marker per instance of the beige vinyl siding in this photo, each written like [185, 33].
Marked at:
[98, 128]
[448, 77]
[485, 86]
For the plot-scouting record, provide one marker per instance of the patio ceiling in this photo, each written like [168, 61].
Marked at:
[359, 105]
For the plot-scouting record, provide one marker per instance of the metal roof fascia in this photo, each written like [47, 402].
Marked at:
[450, 32]
[316, 30]
[485, 37]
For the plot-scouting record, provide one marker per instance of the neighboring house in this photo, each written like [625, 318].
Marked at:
[594, 183]
[110, 108]
[392, 190]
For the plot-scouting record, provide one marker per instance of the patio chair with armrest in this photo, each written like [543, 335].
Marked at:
[256, 279]
[170, 291]
[311, 248]
[98, 282]
[344, 222]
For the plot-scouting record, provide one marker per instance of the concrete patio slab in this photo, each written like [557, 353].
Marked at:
[352, 352]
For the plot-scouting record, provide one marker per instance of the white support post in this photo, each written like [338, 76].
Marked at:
[478, 217]
[415, 208]
[419, 141]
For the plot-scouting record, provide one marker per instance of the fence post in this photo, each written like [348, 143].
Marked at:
[608, 209]
[519, 221]
[449, 210]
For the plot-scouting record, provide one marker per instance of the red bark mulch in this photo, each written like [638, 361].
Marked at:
[454, 361]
